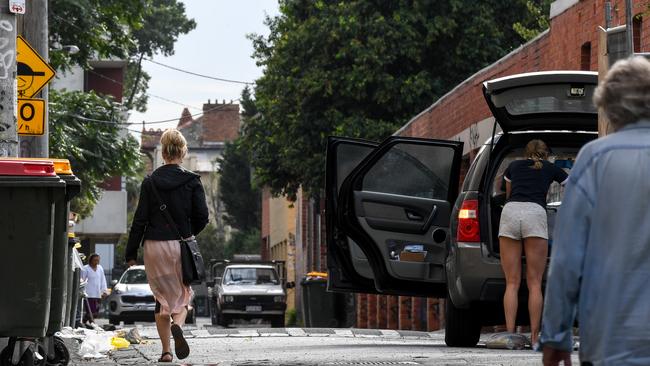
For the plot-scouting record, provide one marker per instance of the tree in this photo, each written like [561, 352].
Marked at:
[212, 244]
[536, 21]
[85, 128]
[124, 29]
[362, 69]
[243, 242]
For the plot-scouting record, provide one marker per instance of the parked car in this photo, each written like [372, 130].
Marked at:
[398, 222]
[249, 290]
[131, 299]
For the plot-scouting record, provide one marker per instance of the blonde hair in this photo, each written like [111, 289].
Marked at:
[537, 151]
[624, 94]
[173, 144]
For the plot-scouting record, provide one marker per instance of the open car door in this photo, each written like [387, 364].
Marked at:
[395, 205]
[347, 266]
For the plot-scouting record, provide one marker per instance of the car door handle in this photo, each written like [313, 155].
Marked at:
[413, 216]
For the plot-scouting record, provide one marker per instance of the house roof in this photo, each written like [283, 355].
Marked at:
[219, 124]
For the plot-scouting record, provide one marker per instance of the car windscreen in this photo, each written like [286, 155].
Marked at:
[134, 277]
[250, 276]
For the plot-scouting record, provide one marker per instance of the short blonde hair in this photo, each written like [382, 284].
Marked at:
[174, 145]
[624, 94]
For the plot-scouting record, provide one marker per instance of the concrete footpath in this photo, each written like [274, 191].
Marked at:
[311, 346]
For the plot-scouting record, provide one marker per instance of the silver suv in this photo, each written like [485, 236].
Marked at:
[399, 223]
[131, 298]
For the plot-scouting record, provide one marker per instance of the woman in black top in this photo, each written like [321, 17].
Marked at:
[524, 218]
[182, 192]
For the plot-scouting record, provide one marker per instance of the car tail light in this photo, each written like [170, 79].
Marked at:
[468, 224]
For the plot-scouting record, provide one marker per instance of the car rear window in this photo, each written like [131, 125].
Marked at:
[550, 99]
[562, 157]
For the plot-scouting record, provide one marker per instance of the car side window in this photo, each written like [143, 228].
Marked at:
[412, 170]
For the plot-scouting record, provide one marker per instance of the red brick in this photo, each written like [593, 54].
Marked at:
[382, 312]
[404, 313]
[393, 312]
[372, 311]
[362, 311]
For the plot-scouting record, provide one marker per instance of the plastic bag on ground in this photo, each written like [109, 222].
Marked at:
[134, 336]
[119, 343]
[510, 341]
[95, 345]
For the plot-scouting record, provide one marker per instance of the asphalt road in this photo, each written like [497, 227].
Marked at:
[255, 345]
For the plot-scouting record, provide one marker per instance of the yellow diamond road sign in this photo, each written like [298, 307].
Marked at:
[33, 71]
[31, 116]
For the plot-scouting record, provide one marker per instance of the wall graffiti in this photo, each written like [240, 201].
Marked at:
[7, 54]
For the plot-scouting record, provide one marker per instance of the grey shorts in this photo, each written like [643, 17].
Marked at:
[521, 220]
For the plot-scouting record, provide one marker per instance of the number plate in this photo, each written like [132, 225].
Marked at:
[253, 308]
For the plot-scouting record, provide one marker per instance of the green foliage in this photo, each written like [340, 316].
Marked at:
[240, 198]
[123, 29]
[211, 243]
[292, 318]
[536, 21]
[362, 69]
[96, 151]
[243, 242]
[101, 29]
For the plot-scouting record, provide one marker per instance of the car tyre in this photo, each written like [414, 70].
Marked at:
[462, 327]
[114, 320]
[277, 321]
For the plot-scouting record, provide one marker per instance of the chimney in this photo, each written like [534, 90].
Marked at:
[186, 117]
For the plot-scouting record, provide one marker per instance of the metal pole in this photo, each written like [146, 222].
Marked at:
[608, 15]
[628, 27]
[8, 122]
[35, 31]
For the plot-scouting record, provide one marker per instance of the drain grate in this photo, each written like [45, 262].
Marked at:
[364, 363]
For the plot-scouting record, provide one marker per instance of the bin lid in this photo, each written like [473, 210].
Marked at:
[61, 166]
[27, 167]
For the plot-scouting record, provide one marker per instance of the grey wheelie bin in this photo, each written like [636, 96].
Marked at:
[318, 305]
[28, 192]
[60, 249]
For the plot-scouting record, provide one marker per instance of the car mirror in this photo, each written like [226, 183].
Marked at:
[113, 283]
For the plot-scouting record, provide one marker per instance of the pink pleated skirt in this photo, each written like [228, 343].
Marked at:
[162, 262]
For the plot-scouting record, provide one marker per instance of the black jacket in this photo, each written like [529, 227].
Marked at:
[182, 192]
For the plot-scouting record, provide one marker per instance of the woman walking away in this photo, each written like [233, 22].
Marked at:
[524, 218]
[183, 197]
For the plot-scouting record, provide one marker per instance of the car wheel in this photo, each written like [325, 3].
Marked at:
[462, 327]
[114, 320]
[277, 321]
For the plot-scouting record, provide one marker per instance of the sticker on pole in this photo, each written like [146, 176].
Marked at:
[33, 72]
[17, 6]
[31, 117]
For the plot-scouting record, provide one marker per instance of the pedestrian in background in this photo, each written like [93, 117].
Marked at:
[600, 265]
[96, 288]
[184, 198]
[524, 219]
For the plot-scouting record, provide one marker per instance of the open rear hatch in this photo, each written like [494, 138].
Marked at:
[548, 100]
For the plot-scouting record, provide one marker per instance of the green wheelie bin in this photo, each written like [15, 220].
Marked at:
[28, 192]
[60, 249]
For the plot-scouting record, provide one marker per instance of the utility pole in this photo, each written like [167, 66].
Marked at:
[35, 30]
[8, 127]
[629, 28]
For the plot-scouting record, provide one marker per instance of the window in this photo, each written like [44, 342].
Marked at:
[585, 56]
[415, 170]
[250, 276]
[134, 277]
[637, 23]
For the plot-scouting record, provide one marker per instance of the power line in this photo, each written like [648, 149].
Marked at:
[147, 93]
[199, 75]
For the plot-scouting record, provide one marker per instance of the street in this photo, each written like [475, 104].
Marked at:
[315, 346]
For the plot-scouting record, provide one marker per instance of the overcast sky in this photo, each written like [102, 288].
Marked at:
[217, 47]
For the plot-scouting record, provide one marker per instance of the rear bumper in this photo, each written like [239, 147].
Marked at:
[473, 276]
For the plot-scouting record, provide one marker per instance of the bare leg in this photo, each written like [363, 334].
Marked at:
[163, 324]
[511, 264]
[536, 257]
[179, 318]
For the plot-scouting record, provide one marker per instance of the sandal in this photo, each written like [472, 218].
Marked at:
[162, 357]
[181, 347]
